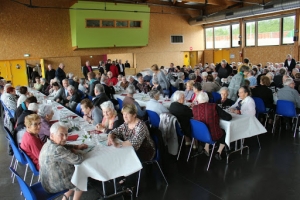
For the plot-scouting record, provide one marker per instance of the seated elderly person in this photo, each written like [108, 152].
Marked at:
[10, 100]
[142, 86]
[133, 132]
[101, 97]
[45, 86]
[153, 103]
[73, 98]
[111, 119]
[288, 93]
[210, 114]
[23, 106]
[297, 82]
[179, 83]
[119, 78]
[198, 76]
[224, 101]
[31, 144]
[20, 125]
[81, 86]
[245, 105]
[92, 114]
[55, 155]
[189, 93]
[92, 82]
[197, 88]
[264, 92]
[37, 85]
[183, 114]
[23, 95]
[111, 80]
[46, 113]
[56, 92]
[141, 114]
[124, 83]
[204, 76]
[132, 81]
[210, 85]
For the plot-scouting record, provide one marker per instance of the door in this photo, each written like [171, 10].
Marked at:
[5, 70]
[186, 58]
[42, 63]
[220, 55]
[18, 73]
[193, 58]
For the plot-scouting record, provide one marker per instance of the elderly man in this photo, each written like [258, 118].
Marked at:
[142, 86]
[73, 98]
[278, 78]
[86, 69]
[223, 69]
[127, 65]
[62, 98]
[294, 71]
[100, 95]
[121, 68]
[289, 93]
[60, 73]
[50, 73]
[111, 80]
[45, 86]
[109, 90]
[290, 63]
[56, 154]
[179, 83]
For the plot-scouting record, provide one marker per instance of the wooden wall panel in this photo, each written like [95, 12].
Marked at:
[123, 57]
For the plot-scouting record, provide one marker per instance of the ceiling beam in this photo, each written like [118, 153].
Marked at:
[209, 2]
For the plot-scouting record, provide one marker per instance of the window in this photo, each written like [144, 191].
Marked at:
[222, 36]
[121, 23]
[92, 23]
[250, 34]
[136, 24]
[176, 39]
[235, 34]
[288, 30]
[108, 23]
[268, 32]
[209, 43]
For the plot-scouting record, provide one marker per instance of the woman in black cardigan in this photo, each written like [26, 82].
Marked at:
[183, 114]
[264, 92]
[224, 101]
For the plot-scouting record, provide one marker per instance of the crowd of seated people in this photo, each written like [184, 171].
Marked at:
[237, 83]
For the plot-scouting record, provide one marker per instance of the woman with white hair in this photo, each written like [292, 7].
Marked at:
[56, 154]
[46, 113]
[153, 103]
[204, 76]
[244, 105]
[224, 101]
[183, 114]
[210, 114]
[179, 83]
[111, 119]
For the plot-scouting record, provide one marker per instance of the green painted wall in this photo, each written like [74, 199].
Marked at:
[83, 37]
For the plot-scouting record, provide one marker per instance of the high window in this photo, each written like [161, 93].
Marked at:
[288, 30]
[222, 36]
[268, 32]
[250, 34]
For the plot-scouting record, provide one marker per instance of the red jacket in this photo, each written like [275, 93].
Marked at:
[114, 70]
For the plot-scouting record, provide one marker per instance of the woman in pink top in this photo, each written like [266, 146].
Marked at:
[31, 143]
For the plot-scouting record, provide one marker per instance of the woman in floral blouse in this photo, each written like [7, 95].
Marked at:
[133, 132]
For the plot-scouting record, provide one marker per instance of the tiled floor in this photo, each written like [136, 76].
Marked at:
[272, 172]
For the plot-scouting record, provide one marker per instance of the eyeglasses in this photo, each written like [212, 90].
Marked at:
[36, 124]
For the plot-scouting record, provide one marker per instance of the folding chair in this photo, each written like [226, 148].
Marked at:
[154, 118]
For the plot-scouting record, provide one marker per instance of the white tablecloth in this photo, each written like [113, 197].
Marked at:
[104, 163]
[241, 126]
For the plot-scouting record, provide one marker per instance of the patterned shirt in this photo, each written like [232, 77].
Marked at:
[139, 137]
[57, 166]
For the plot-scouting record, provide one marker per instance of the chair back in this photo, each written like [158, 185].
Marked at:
[120, 103]
[154, 118]
[82, 95]
[90, 97]
[17, 153]
[11, 113]
[31, 164]
[173, 89]
[216, 96]
[178, 129]
[201, 132]
[27, 191]
[286, 108]
[9, 135]
[155, 140]
[259, 105]
[78, 110]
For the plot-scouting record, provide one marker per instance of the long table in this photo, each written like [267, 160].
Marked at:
[103, 162]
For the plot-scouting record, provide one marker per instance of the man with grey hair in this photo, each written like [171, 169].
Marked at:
[288, 93]
[100, 95]
[60, 73]
[73, 98]
[130, 100]
[109, 90]
[290, 63]
[71, 81]
[45, 86]
[50, 73]
[179, 83]
[223, 69]
[153, 103]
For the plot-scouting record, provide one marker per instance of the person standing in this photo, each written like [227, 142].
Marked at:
[127, 65]
[114, 69]
[50, 73]
[290, 63]
[60, 73]
[121, 68]
[86, 69]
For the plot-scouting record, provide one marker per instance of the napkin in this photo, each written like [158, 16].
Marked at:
[123, 94]
[53, 121]
[72, 138]
[60, 107]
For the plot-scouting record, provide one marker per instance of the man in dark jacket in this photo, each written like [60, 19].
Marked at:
[86, 69]
[45, 86]
[74, 98]
[121, 68]
[224, 69]
[100, 95]
[60, 73]
[50, 73]
[92, 82]
[290, 63]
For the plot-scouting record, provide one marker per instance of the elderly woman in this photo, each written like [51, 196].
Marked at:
[133, 132]
[10, 99]
[270, 75]
[57, 91]
[204, 76]
[31, 144]
[210, 85]
[46, 113]
[210, 114]
[92, 114]
[54, 155]
[237, 81]
[179, 83]
[161, 77]
[37, 85]
[23, 95]
[73, 98]
[156, 85]
[153, 103]
[81, 85]
[111, 119]
[189, 93]
[197, 88]
[130, 100]
[245, 105]
[224, 101]
[124, 83]
[264, 92]
[183, 114]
